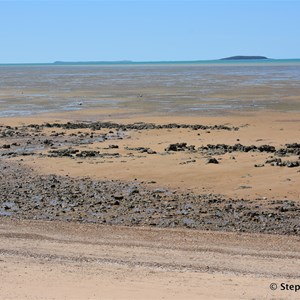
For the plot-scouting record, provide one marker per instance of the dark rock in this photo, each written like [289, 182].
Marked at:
[292, 164]
[63, 152]
[245, 187]
[259, 165]
[48, 142]
[293, 145]
[180, 147]
[266, 148]
[212, 160]
[88, 153]
[273, 160]
[150, 151]
[118, 196]
[176, 147]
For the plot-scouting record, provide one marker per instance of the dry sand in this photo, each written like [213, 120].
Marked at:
[52, 260]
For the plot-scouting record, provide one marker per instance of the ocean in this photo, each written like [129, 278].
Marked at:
[202, 87]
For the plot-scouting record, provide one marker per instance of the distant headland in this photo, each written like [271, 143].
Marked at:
[242, 57]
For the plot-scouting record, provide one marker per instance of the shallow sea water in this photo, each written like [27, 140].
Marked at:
[192, 88]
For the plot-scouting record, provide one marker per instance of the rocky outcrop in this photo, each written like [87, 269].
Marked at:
[27, 195]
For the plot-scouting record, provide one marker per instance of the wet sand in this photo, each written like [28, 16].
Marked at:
[161, 89]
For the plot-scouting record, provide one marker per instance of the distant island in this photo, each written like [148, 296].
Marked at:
[242, 57]
[92, 62]
[130, 62]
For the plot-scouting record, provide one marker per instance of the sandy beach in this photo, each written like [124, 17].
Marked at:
[195, 229]
[126, 157]
[149, 150]
[59, 260]
[149, 182]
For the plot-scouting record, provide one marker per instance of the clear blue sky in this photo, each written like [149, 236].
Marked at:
[46, 31]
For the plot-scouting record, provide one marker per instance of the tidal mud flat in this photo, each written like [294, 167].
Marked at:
[29, 194]
[191, 191]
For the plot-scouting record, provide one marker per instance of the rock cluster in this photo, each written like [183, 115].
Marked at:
[289, 150]
[280, 163]
[70, 152]
[141, 150]
[180, 147]
[28, 140]
[134, 126]
[223, 148]
[24, 194]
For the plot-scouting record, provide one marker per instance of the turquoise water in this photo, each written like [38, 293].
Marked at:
[203, 87]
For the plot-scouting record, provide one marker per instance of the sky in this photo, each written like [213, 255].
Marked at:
[166, 30]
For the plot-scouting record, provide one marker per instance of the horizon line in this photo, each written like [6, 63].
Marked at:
[125, 61]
